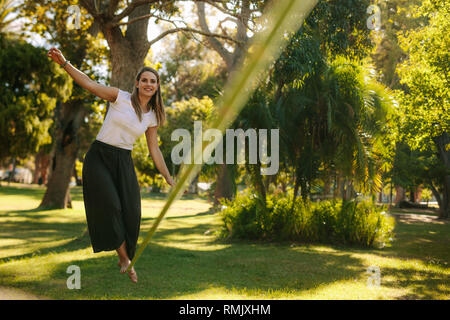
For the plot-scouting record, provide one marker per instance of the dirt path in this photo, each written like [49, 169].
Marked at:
[409, 218]
[16, 294]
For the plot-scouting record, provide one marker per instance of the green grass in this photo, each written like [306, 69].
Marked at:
[184, 261]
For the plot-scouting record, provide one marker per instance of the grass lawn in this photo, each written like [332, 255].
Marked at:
[186, 261]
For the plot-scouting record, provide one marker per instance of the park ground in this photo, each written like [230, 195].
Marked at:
[185, 260]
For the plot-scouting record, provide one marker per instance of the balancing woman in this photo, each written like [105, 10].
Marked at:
[110, 188]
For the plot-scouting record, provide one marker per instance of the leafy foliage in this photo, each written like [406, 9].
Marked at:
[425, 72]
[284, 219]
[181, 115]
[340, 26]
[29, 88]
[332, 116]
[191, 70]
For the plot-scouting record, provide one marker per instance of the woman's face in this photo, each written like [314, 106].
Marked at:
[147, 84]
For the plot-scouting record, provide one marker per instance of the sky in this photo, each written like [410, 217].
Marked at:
[187, 14]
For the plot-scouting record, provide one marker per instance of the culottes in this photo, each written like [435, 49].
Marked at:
[112, 199]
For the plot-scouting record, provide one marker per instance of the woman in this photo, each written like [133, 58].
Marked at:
[110, 189]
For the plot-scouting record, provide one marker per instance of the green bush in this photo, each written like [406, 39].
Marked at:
[279, 219]
[363, 223]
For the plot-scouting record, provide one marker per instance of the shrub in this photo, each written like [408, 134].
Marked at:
[242, 218]
[325, 215]
[281, 219]
[363, 223]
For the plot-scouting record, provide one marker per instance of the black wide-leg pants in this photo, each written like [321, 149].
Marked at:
[112, 198]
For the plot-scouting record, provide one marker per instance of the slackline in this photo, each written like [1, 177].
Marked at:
[284, 18]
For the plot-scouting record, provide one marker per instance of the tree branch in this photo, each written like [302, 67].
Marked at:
[90, 7]
[133, 20]
[223, 9]
[207, 34]
[215, 44]
[112, 7]
[243, 21]
[224, 31]
[130, 8]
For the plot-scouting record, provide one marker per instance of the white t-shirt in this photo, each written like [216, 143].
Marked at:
[122, 127]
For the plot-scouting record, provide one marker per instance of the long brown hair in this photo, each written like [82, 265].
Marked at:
[156, 103]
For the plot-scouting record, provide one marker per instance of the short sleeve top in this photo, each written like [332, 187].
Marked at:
[121, 127]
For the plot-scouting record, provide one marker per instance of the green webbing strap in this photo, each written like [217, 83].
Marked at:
[285, 17]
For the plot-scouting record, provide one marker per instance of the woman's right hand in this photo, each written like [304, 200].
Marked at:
[104, 92]
[56, 56]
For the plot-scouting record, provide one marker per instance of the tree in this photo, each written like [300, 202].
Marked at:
[49, 19]
[127, 40]
[426, 102]
[182, 115]
[319, 101]
[29, 88]
[190, 70]
[395, 18]
[128, 48]
[333, 121]
[339, 26]
[7, 9]
[243, 14]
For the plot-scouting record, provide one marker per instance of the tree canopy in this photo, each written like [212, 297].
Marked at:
[30, 87]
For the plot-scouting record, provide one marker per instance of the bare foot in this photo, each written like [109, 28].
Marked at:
[123, 266]
[131, 274]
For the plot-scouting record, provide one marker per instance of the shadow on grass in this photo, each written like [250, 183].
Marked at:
[72, 244]
[245, 269]
[34, 193]
[37, 193]
[167, 273]
[34, 232]
[420, 240]
[425, 285]
[242, 268]
[211, 211]
[163, 196]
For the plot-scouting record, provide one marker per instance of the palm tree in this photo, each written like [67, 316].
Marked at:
[334, 121]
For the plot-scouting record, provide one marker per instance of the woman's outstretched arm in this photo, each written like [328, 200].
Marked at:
[101, 91]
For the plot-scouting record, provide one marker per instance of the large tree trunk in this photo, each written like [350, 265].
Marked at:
[418, 194]
[127, 57]
[412, 195]
[442, 143]
[42, 161]
[400, 195]
[326, 186]
[13, 171]
[69, 116]
[128, 51]
[336, 186]
[224, 184]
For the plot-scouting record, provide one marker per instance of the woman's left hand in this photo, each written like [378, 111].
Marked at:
[170, 181]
